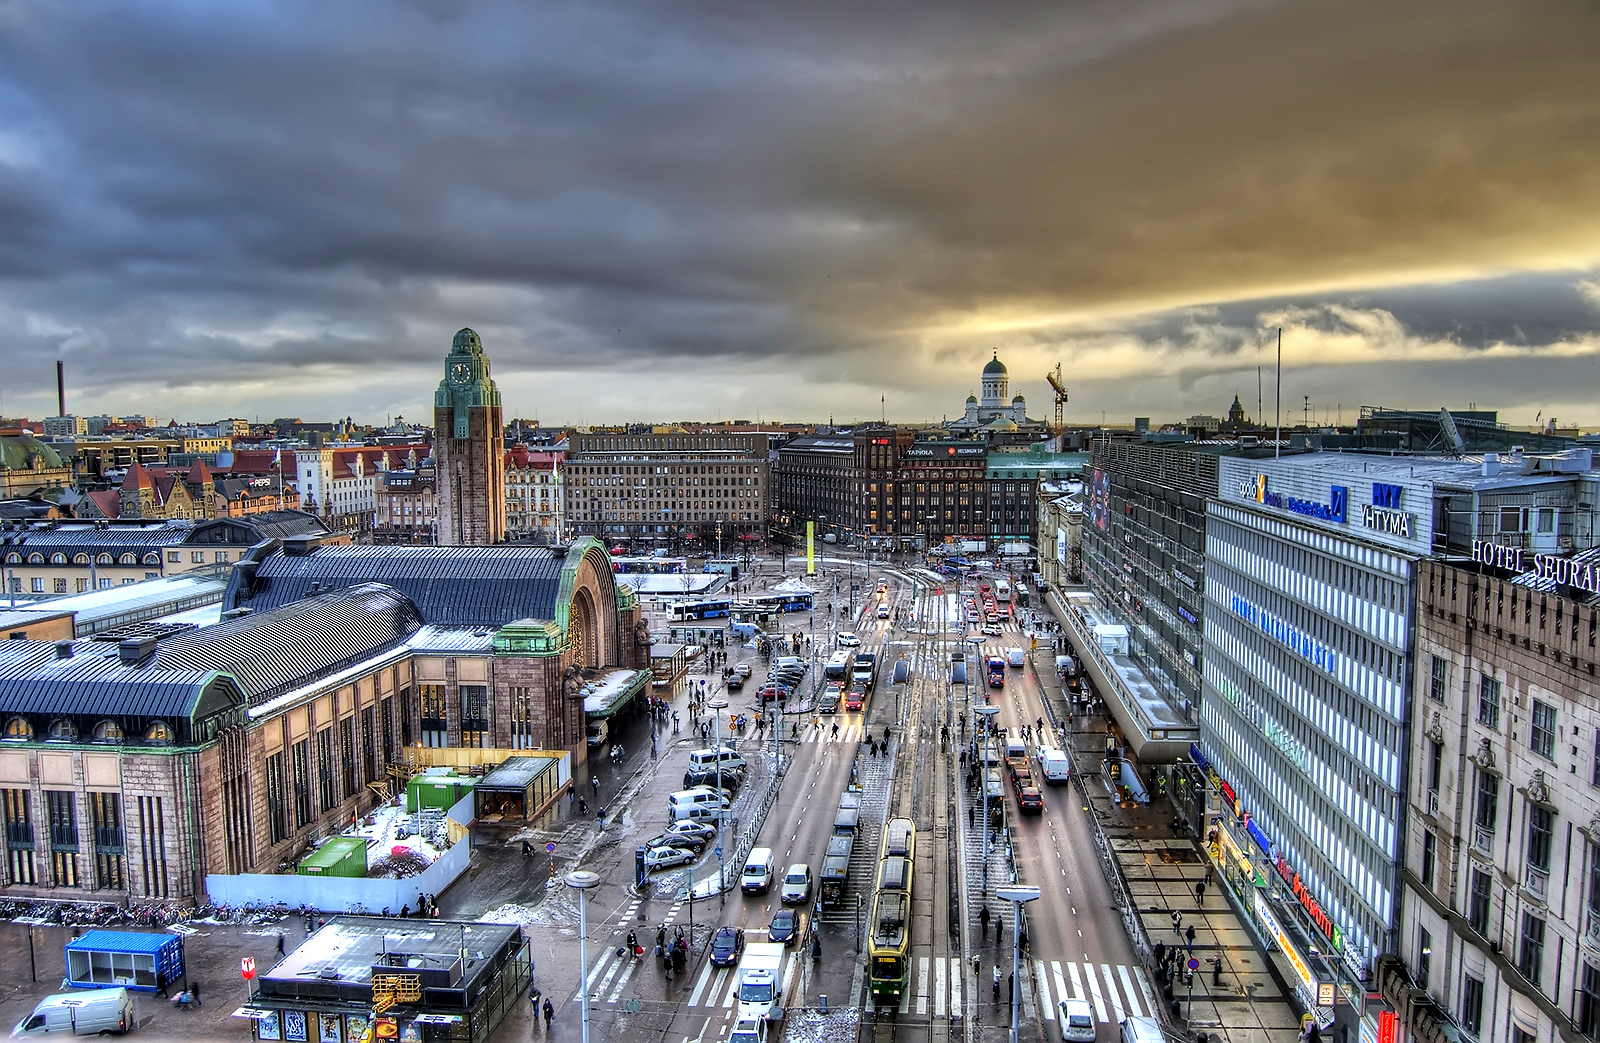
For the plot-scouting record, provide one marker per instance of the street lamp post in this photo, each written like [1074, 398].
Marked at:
[581, 880]
[716, 706]
[1016, 894]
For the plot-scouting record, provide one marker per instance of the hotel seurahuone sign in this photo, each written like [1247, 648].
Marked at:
[1567, 572]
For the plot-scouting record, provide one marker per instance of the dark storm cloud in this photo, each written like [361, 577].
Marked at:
[280, 203]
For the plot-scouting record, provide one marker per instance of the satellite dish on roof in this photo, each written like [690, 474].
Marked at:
[225, 458]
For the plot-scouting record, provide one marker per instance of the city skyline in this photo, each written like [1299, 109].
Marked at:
[287, 211]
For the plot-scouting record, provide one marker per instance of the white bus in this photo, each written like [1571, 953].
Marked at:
[1002, 590]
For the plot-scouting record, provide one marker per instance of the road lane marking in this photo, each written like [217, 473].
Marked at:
[922, 985]
[700, 985]
[1094, 989]
[623, 981]
[938, 988]
[957, 968]
[1061, 983]
[1111, 991]
[1145, 990]
[1129, 991]
[1045, 1006]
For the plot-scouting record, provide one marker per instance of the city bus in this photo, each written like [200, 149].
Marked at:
[1002, 590]
[703, 608]
[798, 601]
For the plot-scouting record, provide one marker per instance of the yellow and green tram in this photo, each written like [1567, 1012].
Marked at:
[889, 954]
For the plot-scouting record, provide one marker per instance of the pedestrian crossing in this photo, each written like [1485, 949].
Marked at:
[714, 988]
[946, 987]
[825, 732]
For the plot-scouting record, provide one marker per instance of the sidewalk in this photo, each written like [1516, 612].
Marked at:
[1249, 1001]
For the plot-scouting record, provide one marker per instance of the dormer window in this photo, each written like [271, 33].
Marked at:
[19, 730]
[159, 732]
[63, 730]
[108, 732]
[105, 559]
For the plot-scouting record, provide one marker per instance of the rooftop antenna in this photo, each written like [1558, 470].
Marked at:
[1259, 413]
[1277, 436]
[1305, 413]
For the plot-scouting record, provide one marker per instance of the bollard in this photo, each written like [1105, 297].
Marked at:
[822, 1003]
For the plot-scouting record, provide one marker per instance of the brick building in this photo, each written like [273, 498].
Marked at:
[469, 449]
[132, 769]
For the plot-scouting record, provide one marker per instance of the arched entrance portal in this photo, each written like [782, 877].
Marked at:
[584, 626]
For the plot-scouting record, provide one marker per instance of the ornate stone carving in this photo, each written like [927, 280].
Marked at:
[1538, 789]
[641, 633]
[1484, 758]
[1435, 729]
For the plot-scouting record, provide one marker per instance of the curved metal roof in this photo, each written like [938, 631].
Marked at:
[258, 656]
[459, 586]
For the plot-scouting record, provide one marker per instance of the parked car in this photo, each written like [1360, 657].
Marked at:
[732, 778]
[848, 639]
[677, 838]
[697, 829]
[727, 945]
[787, 927]
[666, 857]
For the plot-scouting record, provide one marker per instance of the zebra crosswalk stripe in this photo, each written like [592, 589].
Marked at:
[1094, 990]
[1111, 992]
[706, 974]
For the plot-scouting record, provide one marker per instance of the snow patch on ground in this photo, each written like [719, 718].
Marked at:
[387, 823]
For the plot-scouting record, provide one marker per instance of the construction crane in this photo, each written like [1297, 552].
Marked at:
[1061, 397]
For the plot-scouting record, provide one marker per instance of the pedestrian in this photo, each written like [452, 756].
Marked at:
[983, 914]
[661, 939]
[997, 983]
[971, 814]
[1177, 923]
[594, 781]
[280, 945]
[194, 993]
[1209, 868]
[1200, 891]
[549, 1012]
[1161, 953]
[1189, 936]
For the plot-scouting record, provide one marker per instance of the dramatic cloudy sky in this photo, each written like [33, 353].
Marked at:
[697, 209]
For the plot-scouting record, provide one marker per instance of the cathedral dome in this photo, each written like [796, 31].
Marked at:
[995, 367]
[1000, 423]
[1017, 400]
[466, 341]
[973, 399]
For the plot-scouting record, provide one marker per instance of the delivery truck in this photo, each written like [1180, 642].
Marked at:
[761, 982]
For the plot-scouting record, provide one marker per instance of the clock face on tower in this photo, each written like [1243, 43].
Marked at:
[460, 372]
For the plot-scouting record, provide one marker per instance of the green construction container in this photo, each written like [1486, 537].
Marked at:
[437, 791]
[341, 856]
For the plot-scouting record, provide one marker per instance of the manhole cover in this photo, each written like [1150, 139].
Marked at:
[633, 1006]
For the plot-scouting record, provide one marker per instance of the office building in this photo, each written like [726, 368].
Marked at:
[668, 487]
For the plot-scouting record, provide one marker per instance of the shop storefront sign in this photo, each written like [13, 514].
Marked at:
[1259, 837]
[1275, 931]
[1308, 902]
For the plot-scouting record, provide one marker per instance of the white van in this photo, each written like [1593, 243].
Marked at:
[710, 758]
[1141, 1030]
[79, 1014]
[1017, 657]
[783, 662]
[1054, 765]
[757, 875]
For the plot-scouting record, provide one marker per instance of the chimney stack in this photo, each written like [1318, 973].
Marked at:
[61, 388]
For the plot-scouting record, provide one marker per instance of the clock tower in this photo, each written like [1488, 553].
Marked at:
[469, 449]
